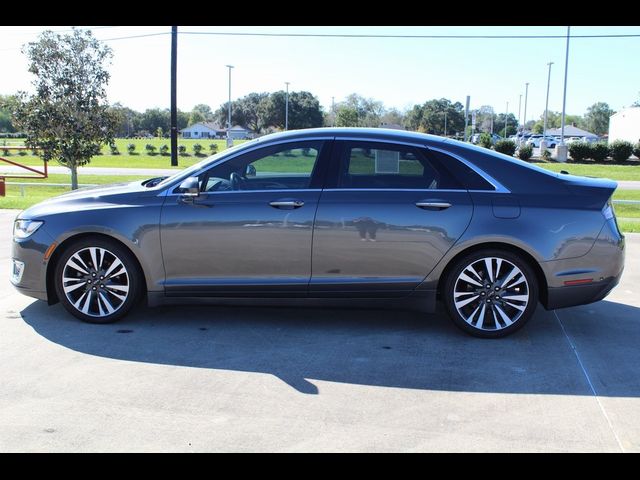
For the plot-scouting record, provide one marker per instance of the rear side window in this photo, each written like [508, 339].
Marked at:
[389, 166]
[467, 177]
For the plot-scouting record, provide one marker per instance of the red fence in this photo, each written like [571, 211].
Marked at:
[3, 176]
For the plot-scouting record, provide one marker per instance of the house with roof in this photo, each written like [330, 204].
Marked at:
[213, 130]
[625, 125]
[573, 131]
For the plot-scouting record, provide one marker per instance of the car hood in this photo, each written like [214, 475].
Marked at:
[103, 196]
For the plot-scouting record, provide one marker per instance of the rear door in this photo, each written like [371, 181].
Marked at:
[389, 215]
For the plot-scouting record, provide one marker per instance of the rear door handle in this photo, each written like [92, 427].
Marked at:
[286, 204]
[433, 205]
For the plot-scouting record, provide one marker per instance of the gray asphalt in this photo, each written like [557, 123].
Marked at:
[249, 379]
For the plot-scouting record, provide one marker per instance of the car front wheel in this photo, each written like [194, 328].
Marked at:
[97, 280]
[490, 293]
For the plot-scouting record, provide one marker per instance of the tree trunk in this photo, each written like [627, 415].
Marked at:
[74, 177]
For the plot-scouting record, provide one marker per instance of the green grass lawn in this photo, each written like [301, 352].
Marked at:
[140, 159]
[614, 172]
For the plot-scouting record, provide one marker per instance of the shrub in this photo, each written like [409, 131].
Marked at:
[508, 147]
[22, 153]
[197, 149]
[599, 151]
[485, 140]
[636, 150]
[525, 152]
[131, 148]
[546, 155]
[164, 150]
[151, 149]
[213, 147]
[580, 151]
[182, 150]
[6, 152]
[621, 150]
[114, 149]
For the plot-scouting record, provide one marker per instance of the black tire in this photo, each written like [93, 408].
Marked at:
[489, 301]
[112, 287]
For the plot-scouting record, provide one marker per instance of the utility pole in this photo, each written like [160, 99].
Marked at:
[466, 117]
[543, 142]
[561, 150]
[174, 97]
[524, 120]
[333, 112]
[286, 108]
[519, 109]
[445, 123]
[229, 139]
[506, 120]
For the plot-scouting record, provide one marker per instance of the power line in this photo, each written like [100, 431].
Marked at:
[135, 36]
[372, 35]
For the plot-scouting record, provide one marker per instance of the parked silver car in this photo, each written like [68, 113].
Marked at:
[369, 217]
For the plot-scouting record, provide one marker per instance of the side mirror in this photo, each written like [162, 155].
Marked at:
[190, 187]
[250, 171]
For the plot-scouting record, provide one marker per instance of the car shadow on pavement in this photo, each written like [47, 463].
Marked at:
[389, 348]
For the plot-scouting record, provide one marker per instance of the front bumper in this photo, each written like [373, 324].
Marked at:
[29, 253]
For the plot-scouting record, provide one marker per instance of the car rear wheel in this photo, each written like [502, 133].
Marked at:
[97, 280]
[490, 293]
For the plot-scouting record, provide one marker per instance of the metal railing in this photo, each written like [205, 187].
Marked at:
[22, 185]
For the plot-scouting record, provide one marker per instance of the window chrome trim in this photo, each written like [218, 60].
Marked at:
[499, 188]
[167, 190]
[280, 190]
[436, 190]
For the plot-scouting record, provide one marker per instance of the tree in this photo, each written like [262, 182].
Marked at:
[512, 125]
[67, 117]
[346, 116]
[597, 118]
[196, 117]
[205, 111]
[7, 106]
[429, 117]
[392, 116]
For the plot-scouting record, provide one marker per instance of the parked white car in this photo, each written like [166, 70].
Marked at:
[535, 140]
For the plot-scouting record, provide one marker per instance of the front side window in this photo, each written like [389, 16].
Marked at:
[287, 166]
[389, 166]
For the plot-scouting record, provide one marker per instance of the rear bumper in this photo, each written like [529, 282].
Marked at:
[580, 294]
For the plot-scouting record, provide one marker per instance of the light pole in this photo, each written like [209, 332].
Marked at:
[229, 140]
[519, 109]
[543, 143]
[286, 108]
[526, 96]
[333, 112]
[561, 150]
[506, 120]
[445, 123]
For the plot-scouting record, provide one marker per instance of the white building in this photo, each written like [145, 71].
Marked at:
[625, 125]
[203, 130]
[212, 130]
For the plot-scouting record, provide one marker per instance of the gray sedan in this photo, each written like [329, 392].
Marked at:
[373, 217]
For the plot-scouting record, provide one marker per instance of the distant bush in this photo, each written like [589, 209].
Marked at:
[508, 147]
[213, 147]
[621, 150]
[525, 152]
[599, 151]
[636, 150]
[114, 149]
[164, 150]
[131, 148]
[546, 155]
[22, 153]
[580, 151]
[182, 150]
[151, 149]
[6, 152]
[485, 140]
[197, 149]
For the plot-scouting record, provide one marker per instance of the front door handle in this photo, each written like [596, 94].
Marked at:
[433, 205]
[286, 204]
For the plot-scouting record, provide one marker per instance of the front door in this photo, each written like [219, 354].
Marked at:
[390, 217]
[249, 230]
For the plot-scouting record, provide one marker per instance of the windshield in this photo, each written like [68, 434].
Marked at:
[185, 173]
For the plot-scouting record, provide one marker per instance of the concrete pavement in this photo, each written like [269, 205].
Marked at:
[292, 379]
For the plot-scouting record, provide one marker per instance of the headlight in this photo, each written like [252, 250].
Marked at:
[25, 228]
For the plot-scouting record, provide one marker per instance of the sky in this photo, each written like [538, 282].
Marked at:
[398, 72]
